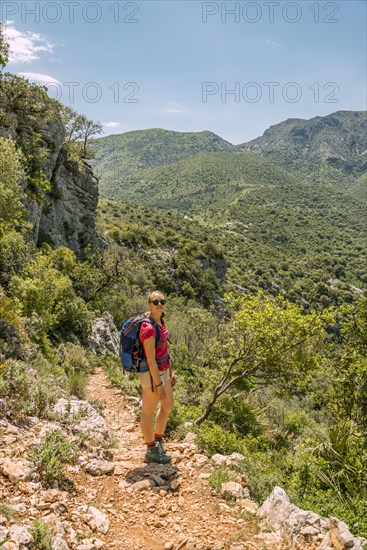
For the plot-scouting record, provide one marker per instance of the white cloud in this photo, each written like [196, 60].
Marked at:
[40, 78]
[172, 111]
[25, 47]
[272, 44]
[111, 124]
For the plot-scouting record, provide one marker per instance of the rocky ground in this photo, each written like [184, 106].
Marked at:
[118, 502]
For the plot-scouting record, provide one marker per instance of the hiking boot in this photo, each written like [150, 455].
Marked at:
[155, 454]
[160, 442]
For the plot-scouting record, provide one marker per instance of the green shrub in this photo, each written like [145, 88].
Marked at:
[263, 472]
[180, 414]
[46, 292]
[15, 253]
[236, 415]
[215, 439]
[23, 392]
[220, 475]
[42, 536]
[51, 456]
[5, 511]
[77, 368]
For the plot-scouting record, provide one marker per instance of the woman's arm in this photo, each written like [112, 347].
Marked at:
[149, 349]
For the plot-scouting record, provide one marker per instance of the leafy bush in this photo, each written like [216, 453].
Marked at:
[50, 458]
[22, 392]
[45, 291]
[215, 439]
[264, 472]
[237, 415]
[221, 474]
[77, 368]
[15, 252]
[10, 342]
[42, 536]
[12, 211]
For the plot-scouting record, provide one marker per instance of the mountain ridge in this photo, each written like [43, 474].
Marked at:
[330, 149]
[119, 155]
[334, 145]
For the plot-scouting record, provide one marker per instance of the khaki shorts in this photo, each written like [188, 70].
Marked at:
[145, 380]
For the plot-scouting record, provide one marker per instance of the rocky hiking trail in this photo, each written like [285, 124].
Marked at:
[118, 502]
[145, 519]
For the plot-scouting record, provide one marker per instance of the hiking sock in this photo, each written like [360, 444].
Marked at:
[150, 444]
[159, 437]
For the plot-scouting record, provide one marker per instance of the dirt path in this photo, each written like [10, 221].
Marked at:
[192, 518]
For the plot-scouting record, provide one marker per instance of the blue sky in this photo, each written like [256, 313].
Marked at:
[233, 67]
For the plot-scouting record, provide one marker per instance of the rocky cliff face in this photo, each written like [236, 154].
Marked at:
[67, 215]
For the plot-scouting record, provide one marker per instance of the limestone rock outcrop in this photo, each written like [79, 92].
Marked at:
[297, 526]
[66, 216]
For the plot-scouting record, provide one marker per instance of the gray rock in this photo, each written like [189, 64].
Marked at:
[342, 539]
[232, 489]
[60, 544]
[15, 471]
[90, 422]
[104, 336]
[297, 526]
[155, 476]
[143, 485]
[219, 460]
[100, 467]
[234, 458]
[21, 535]
[100, 521]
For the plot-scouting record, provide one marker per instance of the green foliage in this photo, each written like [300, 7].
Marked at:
[216, 439]
[15, 252]
[269, 339]
[77, 368]
[11, 332]
[79, 131]
[12, 211]
[5, 511]
[220, 475]
[264, 470]
[237, 415]
[33, 109]
[51, 457]
[48, 293]
[4, 47]
[23, 392]
[42, 536]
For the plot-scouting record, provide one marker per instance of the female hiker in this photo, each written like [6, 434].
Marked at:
[157, 383]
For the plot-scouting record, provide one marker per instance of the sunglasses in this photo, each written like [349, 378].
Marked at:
[156, 302]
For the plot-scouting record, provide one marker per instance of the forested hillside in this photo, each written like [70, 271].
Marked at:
[265, 284]
[119, 155]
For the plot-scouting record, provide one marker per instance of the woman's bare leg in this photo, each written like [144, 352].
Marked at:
[165, 408]
[149, 405]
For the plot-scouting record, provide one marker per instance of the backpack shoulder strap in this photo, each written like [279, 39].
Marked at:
[155, 325]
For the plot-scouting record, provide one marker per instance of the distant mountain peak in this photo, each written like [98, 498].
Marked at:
[335, 144]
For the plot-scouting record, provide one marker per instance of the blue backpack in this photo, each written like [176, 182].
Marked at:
[131, 349]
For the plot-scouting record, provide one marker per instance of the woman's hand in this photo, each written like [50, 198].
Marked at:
[161, 392]
[173, 379]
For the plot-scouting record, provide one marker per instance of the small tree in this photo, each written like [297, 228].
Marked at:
[4, 47]
[79, 130]
[268, 341]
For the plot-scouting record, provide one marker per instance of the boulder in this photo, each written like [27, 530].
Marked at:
[104, 335]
